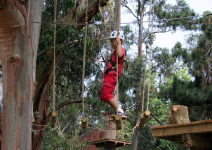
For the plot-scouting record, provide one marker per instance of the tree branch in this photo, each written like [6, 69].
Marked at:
[64, 104]
[130, 11]
[93, 9]
[67, 103]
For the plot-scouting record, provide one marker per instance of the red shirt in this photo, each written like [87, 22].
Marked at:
[120, 60]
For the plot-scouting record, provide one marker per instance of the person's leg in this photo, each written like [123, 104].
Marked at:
[113, 103]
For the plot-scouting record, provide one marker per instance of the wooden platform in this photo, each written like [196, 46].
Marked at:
[123, 117]
[109, 143]
[194, 135]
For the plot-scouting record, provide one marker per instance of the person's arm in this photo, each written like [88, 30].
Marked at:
[119, 47]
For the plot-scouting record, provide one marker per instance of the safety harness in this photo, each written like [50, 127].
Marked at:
[113, 65]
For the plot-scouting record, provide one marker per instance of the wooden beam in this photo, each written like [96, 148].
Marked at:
[197, 142]
[144, 117]
[107, 144]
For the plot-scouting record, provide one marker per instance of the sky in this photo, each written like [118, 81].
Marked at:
[169, 39]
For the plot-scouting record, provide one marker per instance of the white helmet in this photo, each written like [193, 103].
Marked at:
[113, 35]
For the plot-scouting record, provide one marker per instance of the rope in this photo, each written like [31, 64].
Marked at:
[96, 38]
[150, 58]
[55, 9]
[117, 77]
[117, 63]
[83, 71]
[146, 60]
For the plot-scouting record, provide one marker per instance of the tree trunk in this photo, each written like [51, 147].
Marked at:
[136, 131]
[135, 139]
[117, 14]
[35, 8]
[17, 58]
[140, 40]
[178, 114]
[42, 102]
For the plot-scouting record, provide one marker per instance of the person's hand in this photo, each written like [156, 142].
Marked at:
[118, 40]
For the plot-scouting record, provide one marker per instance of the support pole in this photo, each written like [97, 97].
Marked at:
[111, 134]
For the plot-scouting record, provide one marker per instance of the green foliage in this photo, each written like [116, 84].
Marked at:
[193, 88]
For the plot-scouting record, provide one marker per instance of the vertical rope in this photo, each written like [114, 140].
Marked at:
[146, 58]
[150, 57]
[117, 63]
[83, 71]
[55, 10]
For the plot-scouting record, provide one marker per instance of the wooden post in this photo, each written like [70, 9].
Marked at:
[84, 122]
[53, 119]
[111, 134]
[178, 114]
[118, 121]
[144, 117]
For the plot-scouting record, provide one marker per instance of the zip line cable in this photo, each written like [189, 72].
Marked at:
[125, 22]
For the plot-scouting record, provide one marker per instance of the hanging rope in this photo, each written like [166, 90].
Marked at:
[117, 63]
[151, 39]
[84, 119]
[96, 38]
[146, 58]
[83, 71]
[53, 118]
[55, 10]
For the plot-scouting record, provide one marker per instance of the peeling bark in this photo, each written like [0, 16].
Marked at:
[17, 57]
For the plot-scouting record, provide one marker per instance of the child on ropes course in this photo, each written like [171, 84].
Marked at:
[110, 74]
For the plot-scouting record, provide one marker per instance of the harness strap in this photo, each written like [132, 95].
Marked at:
[113, 66]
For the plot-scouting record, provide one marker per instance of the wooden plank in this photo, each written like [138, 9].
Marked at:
[110, 143]
[196, 135]
[172, 130]
[197, 142]
[122, 117]
[176, 139]
[106, 144]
